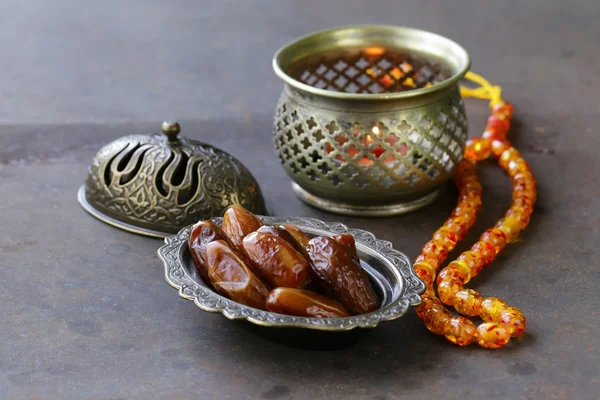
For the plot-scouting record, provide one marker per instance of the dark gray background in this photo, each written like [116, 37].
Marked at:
[86, 312]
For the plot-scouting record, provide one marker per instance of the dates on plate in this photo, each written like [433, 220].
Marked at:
[276, 261]
[280, 268]
[231, 277]
[304, 304]
[336, 261]
[237, 223]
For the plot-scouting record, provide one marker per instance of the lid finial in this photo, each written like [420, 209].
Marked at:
[171, 130]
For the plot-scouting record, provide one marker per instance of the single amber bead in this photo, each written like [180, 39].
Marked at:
[429, 259]
[429, 291]
[468, 219]
[497, 124]
[499, 147]
[486, 250]
[517, 166]
[458, 226]
[425, 272]
[425, 276]
[477, 149]
[520, 215]
[496, 237]
[468, 203]
[475, 203]
[468, 302]
[462, 270]
[465, 178]
[523, 187]
[491, 309]
[525, 176]
[446, 238]
[523, 200]
[426, 267]
[464, 169]
[473, 260]
[470, 180]
[524, 205]
[503, 108]
[492, 335]
[510, 154]
[464, 210]
[523, 184]
[514, 321]
[473, 200]
[466, 196]
[472, 188]
[501, 116]
[526, 193]
[460, 331]
[490, 136]
[531, 194]
[460, 184]
[447, 290]
[426, 303]
[435, 318]
[510, 226]
[518, 212]
[433, 249]
[452, 274]
[461, 180]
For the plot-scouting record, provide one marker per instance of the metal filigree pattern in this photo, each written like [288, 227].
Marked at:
[371, 71]
[392, 270]
[401, 151]
[143, 181]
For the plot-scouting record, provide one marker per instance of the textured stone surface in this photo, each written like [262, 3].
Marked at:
[86, 312]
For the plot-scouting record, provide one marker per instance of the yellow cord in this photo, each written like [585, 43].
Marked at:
[485, 91]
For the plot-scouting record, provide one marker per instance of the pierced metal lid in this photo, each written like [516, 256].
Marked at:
[157, 184]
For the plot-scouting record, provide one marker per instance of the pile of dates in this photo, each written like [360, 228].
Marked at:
[280, 268]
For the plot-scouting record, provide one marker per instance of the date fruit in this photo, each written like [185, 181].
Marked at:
[304, 304]
[336, 261]
[284, 234]
[201, 235]
[301, 237]
[238, 223]
[276, 261]
[231, 277]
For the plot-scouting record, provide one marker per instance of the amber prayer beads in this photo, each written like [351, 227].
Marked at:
[500, 321]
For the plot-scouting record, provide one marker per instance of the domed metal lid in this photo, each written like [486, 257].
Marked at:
[157, 184]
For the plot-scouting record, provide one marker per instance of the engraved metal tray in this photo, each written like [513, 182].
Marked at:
[390, 272]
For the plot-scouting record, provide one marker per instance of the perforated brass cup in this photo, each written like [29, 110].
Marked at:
[370, 121]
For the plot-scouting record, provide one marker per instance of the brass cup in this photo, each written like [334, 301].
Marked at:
[370, 121]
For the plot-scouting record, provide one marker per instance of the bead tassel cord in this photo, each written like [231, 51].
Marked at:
[501, 322]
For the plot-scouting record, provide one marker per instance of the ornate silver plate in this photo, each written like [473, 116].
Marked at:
[390, 272]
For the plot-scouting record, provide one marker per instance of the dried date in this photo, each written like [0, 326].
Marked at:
[238, 223]
[284, 234]
[304, 303]
[231, 277]
[201, 235]
[276, 261]
[301, 237]
[336, 261]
